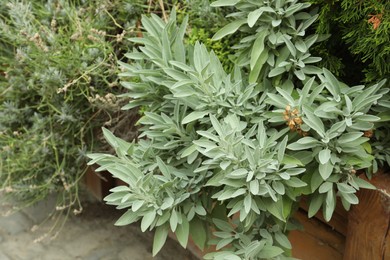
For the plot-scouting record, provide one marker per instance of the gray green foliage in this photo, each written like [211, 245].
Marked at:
[225, 156]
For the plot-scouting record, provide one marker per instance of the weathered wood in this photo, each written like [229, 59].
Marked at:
[317, 241]
[98, 183]
[339, 219]
[368, 235]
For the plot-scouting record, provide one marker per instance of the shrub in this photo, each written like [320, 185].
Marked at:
[59, 81]
[226, 156]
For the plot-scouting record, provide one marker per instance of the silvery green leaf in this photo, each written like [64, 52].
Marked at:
[316, 181]
[224, 242]
[137, 204]
[254, 187]
[224, 164]
[310, 60]
[254, 16]
[345, 188]
[286, 95]
[349, 137]
[368, 118]
[350, 197]
[326, 170]
[315, 204]
[276, 23]
[200, 210]
[194, 116]
[283, 240]
[238, 174]
[277, 100]
[275, 208]
[330, 205]
[127, 218]
[229, 29]
[173, 220]
[188, 151]
[270, 252]
[324, 156]
[313, 121]
[276, 71]
[198, 232]
[147, 220]
[290, 160]
[332, 84]
[258, 48]
[247, 203]
[163, 168]
[160, 236]
[300, 74]
[363, 184]
[182, 232]
[295, 182]
[300, 45]
[325, 187]
[223, 225]
[310, 69]
[292, 9]
[290, 45]
[278, 187]
[220, 3]
[282, 149]
[304, 143]
[255, 72]
[361, 126]
[168, 202]
[227, 194]
[164, 218]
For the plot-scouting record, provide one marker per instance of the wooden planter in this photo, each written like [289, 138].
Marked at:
[360, 234]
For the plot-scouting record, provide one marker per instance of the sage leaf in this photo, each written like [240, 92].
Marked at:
[183, 231]
[147, 220]
[324, 156]
[160, 236]
[228, 29]
[270, 252]
[127, 218]
[326, 170]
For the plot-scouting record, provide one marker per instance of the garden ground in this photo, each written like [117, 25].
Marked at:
[88, 236]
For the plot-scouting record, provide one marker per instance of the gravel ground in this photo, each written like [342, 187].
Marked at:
[90, 235]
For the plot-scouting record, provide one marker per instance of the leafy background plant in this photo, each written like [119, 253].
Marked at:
[359, 38]
[250, 141]
[59, 82]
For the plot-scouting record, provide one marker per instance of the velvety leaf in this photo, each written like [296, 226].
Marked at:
[194, 116]
[127, 218]
[324, 156]
[198, 232]
[326, 170]
[147, 220]
[315, 204]
[183, 231]
[160, 236]
[228, 29]
[270, 252]
[224, 3]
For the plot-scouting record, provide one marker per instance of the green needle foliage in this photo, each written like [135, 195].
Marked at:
[360, 38]
[224, 156]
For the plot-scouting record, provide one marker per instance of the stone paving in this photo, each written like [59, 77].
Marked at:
[90, 236]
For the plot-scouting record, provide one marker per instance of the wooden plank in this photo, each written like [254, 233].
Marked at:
[339, 219]
[98, 184]
[368, 225]
[317, 241]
